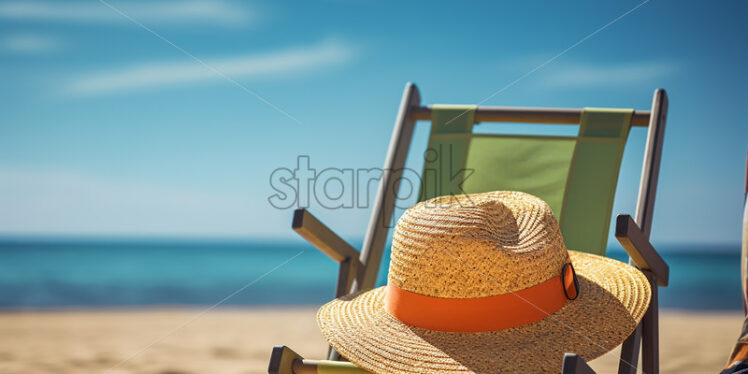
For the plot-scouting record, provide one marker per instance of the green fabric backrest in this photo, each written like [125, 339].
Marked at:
[593, 176]
[444, 161]
[575, 175]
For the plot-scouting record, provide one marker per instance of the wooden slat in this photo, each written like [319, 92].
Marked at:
[651, 164]
[573, 364]
[384, 204]
[637, 245]
[559, 116]
[324, 239]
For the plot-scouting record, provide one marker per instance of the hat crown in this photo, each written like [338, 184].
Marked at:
[477, 245]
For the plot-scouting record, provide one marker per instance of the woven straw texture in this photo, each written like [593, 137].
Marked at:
[510, 239]
[484, 245]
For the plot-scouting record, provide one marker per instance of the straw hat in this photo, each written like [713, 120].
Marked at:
[483, 283]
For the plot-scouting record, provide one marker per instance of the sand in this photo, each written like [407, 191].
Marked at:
[181, 341]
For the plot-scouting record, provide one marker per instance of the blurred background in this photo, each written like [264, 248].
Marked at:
[138, 138]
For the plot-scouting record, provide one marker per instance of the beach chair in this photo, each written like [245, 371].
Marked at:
[576, 175]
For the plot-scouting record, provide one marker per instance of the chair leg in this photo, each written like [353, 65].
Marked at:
[647, 333]
[650, 332]
[573, 364]
[630, 352]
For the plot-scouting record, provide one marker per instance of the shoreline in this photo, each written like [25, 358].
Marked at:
[238, 340]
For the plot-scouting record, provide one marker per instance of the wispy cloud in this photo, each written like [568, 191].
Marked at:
[190, 11]
[587, 75]
[158, 74]
[29, 44]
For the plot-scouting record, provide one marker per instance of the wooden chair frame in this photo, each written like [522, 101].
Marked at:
[358, 270]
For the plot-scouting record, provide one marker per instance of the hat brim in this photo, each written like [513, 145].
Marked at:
[612, 300]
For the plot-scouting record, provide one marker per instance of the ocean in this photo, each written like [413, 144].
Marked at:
[47, 274]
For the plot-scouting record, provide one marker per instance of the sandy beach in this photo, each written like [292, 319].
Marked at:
[238, 341]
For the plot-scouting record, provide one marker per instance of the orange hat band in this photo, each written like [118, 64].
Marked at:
[483, 313]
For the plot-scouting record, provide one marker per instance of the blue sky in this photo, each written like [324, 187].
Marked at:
[109, 130]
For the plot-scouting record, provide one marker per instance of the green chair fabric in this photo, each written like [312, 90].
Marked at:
[444, 161]
[575, 175]
[593, 176]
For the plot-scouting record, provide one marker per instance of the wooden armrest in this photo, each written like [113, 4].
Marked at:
[574, 364]
[284, 360]
[641, 251]
[328, 242]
